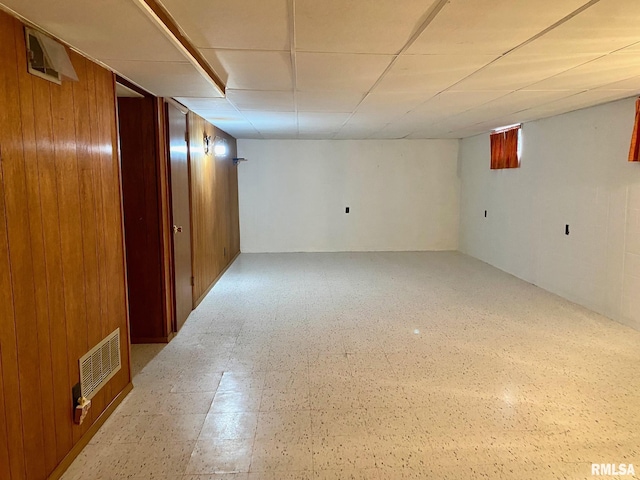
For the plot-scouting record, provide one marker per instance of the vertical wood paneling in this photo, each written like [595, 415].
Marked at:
[71, 229]
[213, 200]
[62, 280]
[113, 224]
[22, 272]
[53, 254]
[28, 114]
[5, 471]
[8, 344]
[90, 222]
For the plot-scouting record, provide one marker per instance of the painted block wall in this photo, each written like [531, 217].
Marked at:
[574, 171]
[403, 195]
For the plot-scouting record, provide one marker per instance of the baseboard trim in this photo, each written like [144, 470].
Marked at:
[213, 284]
[86, 438]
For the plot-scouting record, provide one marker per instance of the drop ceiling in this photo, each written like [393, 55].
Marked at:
[365, 69]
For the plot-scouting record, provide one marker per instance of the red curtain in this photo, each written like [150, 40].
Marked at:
[634, 151]
[504, 149]
[496, 150]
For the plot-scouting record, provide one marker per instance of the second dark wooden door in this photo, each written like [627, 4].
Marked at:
[180, 213]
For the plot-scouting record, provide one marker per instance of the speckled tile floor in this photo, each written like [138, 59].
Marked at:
[376, 366]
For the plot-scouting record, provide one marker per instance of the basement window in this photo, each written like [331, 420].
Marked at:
[47, 58]
[506, 147]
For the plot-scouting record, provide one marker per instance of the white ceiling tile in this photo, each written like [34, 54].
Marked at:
[576, 102]
[262, 25]
[448, 104]
[279, 133]
[631, 85]
[516, 71]
[254, 70]
[209, 105]
[394, 130]
[599, 72]
[602, 28]
[424, 73]
[357, 26]
[518, 101]
[335, 101]
[350, 132]
[272, 121]
[336, 71]
[108, 30]
[259, 100]
[632, 49]
[489, 26]
[165, 79]
[393, 104]
[238, 129]
[374, 120]
[326, 121]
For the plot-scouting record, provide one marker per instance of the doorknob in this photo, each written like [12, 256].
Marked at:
[177, 229]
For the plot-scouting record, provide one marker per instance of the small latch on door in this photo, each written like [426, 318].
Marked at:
[177, 229]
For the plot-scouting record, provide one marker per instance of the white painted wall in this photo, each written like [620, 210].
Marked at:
[403, 195]
[574, 171]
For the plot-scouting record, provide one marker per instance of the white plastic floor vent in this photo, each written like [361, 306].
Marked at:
[100, 364]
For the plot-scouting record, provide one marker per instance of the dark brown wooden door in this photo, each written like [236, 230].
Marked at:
[180, 213]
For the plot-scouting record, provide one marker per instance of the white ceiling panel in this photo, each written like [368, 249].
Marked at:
[254, 70]
[516, 71]
[272, 120]
[575, 102]
[349, 132]
[345, 78]
[337, 102]
[631, 85]
[597, 73]
[489, 26]
[519, 101]
[373, 120]
[106, 30]
[261, 25]
[165, 79]
[341, 72]
[395, 130]
[235, 128]
[261, 100]
[603, 28]
[448, 104]
[393, 103]
[209, 105]
[357, 26]
[419, 73]
[307, 122]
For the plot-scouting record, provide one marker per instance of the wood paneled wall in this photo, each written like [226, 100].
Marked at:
[146, 218]
[214, 206]
[62, 276]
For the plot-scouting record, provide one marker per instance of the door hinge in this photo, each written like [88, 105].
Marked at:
[186, 137]
[193, 281]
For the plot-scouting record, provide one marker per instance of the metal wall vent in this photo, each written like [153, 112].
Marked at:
[47, 58]
[100, 364]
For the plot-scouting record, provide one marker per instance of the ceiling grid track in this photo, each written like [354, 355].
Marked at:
[557, 24]
[431, 14]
